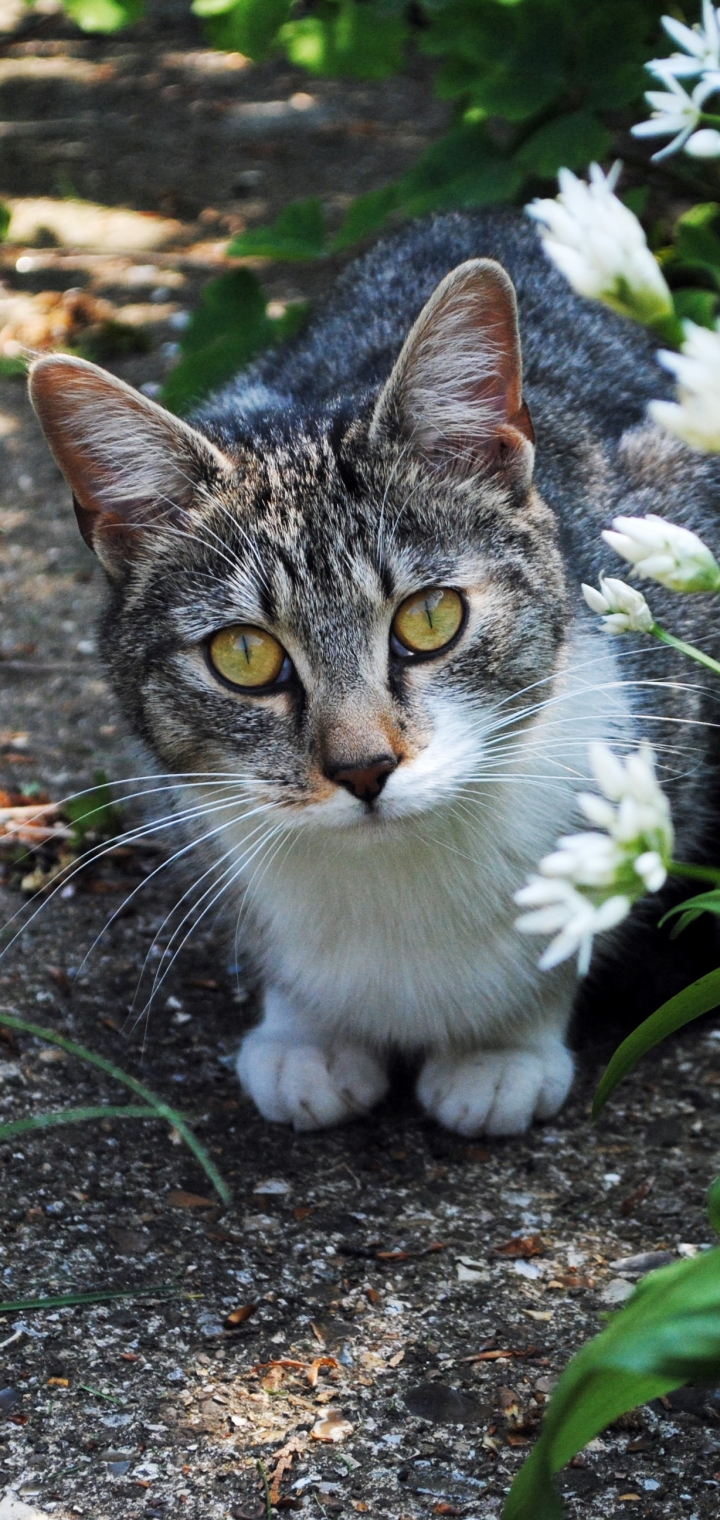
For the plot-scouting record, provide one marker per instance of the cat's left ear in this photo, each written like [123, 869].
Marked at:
[132, 467]
[455, 393]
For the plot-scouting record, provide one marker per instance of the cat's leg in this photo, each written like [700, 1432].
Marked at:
[296, 1075]
[501, 1089]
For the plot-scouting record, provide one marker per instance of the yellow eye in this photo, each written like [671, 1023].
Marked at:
[428, 620]
[246, 656]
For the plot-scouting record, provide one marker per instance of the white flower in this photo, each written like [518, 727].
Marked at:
[590, 882]
[572, 918]
[696, 417]
[600, 246]
[701, 44]
[665, 552]
[704, 144]
[621, 607]
[675, 113]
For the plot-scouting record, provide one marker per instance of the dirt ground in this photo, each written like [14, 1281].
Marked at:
[375, 1323]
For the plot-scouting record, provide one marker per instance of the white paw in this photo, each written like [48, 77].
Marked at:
[496, 1092]
[309, 1086]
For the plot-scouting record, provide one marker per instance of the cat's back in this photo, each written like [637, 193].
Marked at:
[577, 355]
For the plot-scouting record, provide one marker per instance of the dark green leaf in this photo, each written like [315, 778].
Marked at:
[366, 214]
[229, 327]
[714, 1205]
[248, 26]
[667, 1334]
[5, 219]
[348, 37]
[463, 169]
[103, 1295]
[298, 233]
[696, 244]
[104, 15]
[692, 908]
[699, 998]
[570, 142]
[696, 306]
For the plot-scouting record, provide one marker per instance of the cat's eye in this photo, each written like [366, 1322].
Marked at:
[246, 656]
[428, 621]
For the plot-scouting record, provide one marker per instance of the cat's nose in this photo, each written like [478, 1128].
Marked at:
[364, 781]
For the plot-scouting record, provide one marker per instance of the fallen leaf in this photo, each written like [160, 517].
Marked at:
[317, 1332]
[445, 1509]
[540, 1314]
[521, 1245]
[361, 1507]
[630, 1203]
[58, 1382]
[314, 1368]
[179, 1199]
[238, 1316]
[628, 1498]
[302, 1211]
[283, 1460]
[396, 1359]
[332, 1426]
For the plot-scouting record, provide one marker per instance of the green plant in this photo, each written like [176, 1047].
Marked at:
[152, 1106]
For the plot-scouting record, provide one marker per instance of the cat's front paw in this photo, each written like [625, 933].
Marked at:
[496, 1092]
[309, 1086]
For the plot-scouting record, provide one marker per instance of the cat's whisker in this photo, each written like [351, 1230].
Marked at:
[130, 837]
[233, 872]
[164, 865]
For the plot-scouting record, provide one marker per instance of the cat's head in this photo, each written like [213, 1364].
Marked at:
[333, 614]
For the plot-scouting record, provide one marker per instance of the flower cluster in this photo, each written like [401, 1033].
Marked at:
[621, 607]
[677, 113]
[590, 882]
[600, 246]
[665, 552]
[695, 417]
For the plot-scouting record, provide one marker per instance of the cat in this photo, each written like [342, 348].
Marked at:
[344, 615]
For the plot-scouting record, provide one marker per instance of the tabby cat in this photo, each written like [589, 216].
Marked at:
[344, 615]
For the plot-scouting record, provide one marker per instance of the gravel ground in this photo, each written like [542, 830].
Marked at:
[375, 1323]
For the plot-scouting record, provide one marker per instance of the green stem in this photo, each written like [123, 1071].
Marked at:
[163, 1110]
[695, 873]
[688, 649]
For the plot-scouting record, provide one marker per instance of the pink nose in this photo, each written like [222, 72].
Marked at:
[364, 781]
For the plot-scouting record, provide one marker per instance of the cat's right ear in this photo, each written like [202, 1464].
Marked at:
[132, 466]
[455, 393]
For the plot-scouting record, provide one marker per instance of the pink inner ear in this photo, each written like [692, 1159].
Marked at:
[460, 380]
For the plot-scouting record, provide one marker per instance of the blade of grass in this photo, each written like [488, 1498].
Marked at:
[699, 998]
[162, 1109]
[69, 1300]
[75, 1116]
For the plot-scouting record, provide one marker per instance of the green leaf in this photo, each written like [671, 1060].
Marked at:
[571, 142]
[350, 38]
[699, 998]
[695, 242]
[245, 26]
[298, 233]
[75, 1116]
[692, 908]
[696, 306]
[667, 1334]
[366, 214]
[228, 328]
[104, 15]
[68, 1300]
[160, 1108]
[93, 810]
[714, 1205]
[465, 168]
[5, 219]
